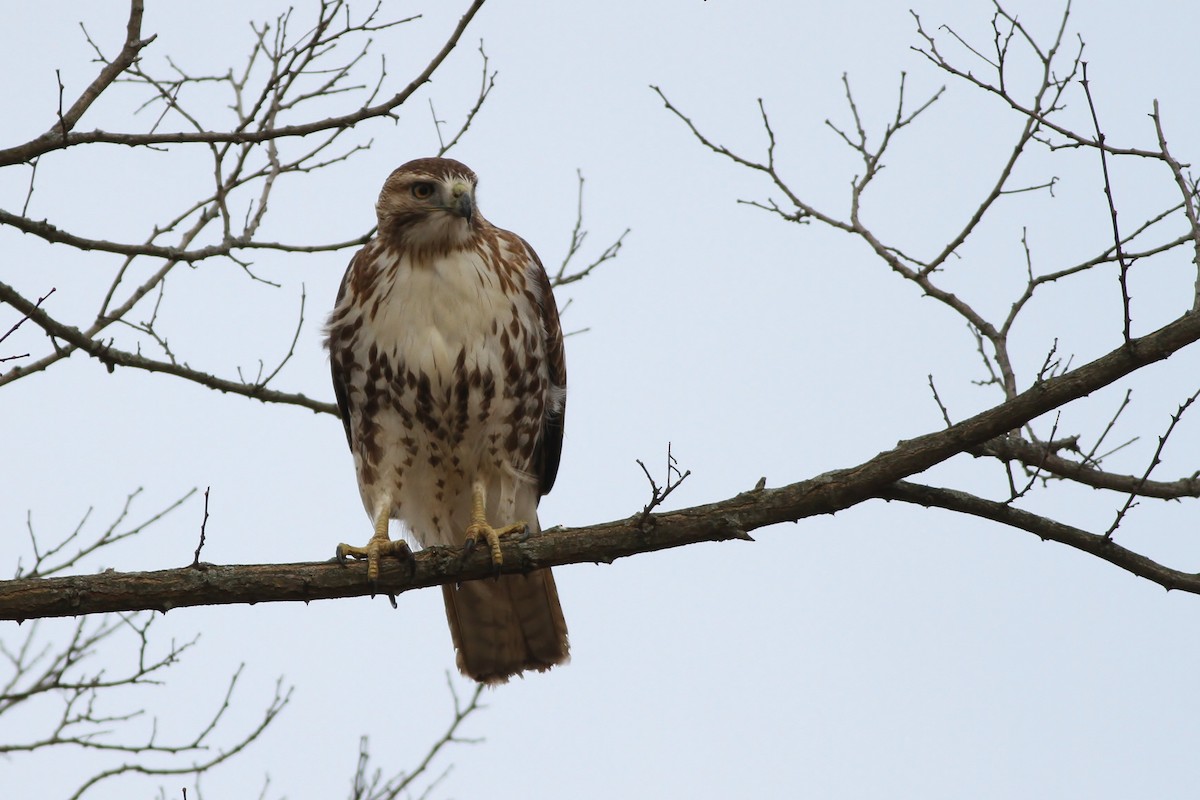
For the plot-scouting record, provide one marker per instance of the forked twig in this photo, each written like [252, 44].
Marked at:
[660, 493]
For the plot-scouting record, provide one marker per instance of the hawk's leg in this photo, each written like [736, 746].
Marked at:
[480, 529]
[379, 547]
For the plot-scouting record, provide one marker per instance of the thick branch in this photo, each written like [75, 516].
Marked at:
[212, 585]
[730, 519]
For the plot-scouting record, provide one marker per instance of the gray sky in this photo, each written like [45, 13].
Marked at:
[886, 652]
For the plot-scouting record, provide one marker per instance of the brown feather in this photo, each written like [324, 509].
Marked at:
[503, 627]
[488, 407]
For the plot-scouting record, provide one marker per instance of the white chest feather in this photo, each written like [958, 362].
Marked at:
[447, 383]
[431, 314]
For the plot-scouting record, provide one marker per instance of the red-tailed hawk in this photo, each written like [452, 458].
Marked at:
[447, 361]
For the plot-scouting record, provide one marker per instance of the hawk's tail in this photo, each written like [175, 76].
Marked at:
[506, 626]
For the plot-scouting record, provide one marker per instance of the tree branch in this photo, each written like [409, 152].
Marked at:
[1047, 529]
[57, 139]
[111, 357]
[133, 46]
[1012, 448]
[730, 519]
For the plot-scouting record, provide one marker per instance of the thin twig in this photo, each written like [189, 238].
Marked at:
[203, 526]
[1155, 460]
[1123, 273]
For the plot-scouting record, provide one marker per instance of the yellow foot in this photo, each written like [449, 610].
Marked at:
[480, 529]
[379, 546]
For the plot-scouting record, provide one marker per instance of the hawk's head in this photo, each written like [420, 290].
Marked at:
[427, 206]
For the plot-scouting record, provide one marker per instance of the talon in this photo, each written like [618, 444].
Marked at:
[467, 551]
[481, 529]
[378, 547]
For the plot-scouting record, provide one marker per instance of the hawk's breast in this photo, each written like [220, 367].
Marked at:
[447, 380]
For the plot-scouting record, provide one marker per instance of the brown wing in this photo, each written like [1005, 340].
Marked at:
[338, 354]
[549, 450]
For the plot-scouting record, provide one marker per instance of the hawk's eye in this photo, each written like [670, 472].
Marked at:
[422, 191]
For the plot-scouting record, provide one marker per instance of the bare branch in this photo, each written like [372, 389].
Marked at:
[562, 277]
[1097, 545]
[1042, 115]
[937, 399]
[57, 140]
[1012, 448]
[658, 494]
[20, 322]
[111, 357]
[487, 81]
[57, 559]
[1188, 190]
[63, 674]
[730, 519]
[1155, 460]
[374, 787]
[220, 755]
[130, 50]
[203, 527]
[1123, 274]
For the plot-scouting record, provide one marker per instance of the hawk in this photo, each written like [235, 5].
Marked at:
[447, 360]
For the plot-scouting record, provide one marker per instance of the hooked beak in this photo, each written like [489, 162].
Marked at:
[462, 204]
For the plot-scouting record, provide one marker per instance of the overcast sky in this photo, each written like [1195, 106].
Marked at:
[886, 652]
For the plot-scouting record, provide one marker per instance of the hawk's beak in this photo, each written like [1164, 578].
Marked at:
[463, 206]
